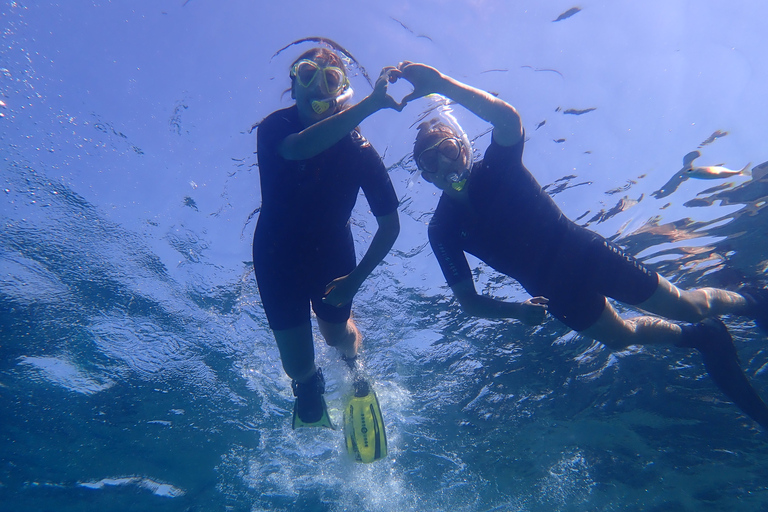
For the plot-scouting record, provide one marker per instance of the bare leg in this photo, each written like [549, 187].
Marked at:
[694, 305]
[344, 336]
[617, 333]
[297, 351]
[671, 302]
[710, 337]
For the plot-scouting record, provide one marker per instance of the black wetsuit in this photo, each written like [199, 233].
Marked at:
[516, 228]
[303, 240]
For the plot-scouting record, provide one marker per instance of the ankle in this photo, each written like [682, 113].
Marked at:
[315, 385]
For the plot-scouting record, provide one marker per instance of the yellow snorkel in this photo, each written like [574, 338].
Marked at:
[321, 106]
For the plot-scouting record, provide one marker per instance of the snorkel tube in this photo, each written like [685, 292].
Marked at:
[440, 109]
[322, 105]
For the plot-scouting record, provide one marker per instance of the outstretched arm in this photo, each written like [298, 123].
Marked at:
[320, 136]
[507, 126]
[342, 290]
[530, 312]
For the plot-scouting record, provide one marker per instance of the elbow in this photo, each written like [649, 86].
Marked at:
[395, 230]
[390, 226]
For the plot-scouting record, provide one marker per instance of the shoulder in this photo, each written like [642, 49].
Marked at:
[496, 154]
[443, 217]
[285, 118]
[517, 147]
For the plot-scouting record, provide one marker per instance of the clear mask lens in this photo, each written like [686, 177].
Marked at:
[449, 147]
[306, 72]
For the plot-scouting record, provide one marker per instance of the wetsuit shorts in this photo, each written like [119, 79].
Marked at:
[587, 269]
[289, 281]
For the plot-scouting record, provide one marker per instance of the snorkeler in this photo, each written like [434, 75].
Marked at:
[496, 210]
[312, 163]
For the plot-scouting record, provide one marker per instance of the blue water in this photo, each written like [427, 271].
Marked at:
[137, 371]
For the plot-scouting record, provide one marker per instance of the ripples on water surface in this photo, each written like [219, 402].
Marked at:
[137, 371]
[124, 385]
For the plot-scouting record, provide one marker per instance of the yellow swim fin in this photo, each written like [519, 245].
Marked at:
[364, 431]
[324, 421]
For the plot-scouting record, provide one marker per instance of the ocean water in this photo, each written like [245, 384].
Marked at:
[137, 370]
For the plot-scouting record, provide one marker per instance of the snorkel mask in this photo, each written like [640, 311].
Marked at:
[452, 147]
[305, 72]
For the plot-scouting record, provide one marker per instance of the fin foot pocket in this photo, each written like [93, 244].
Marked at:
[310, 409]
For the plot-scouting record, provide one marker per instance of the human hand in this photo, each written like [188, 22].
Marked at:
[425, 79]
[380, 95]
[340, 291]
[533, 311]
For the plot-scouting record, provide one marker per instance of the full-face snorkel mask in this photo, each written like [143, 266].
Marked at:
[442, 113]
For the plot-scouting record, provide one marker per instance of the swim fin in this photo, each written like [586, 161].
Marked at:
[309, 398]
[712, 339]
[324, 421]
[364, 432]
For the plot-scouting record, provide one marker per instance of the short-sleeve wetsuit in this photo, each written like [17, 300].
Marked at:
[303, 239]
[515, 227]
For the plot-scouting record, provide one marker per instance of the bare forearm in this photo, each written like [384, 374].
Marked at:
[502, 115]
[479, 102]
[320, 136]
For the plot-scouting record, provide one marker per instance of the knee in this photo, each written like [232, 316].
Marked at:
[341, 335]
[693, 306]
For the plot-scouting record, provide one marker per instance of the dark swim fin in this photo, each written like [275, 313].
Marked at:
[364, 431]
[309, 398]
[712, 339]
[324, 421]
[757, 305]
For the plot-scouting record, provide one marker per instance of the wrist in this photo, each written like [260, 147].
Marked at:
[369, 105]
[356, 278]
[445, 85]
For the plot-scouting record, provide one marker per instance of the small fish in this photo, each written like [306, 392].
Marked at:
[712, 172]
[716, 172]
[538, 70]
[567, 14]
[712, 138]
[578, 112]
[541, 124]
[409, 30]
[188, 201]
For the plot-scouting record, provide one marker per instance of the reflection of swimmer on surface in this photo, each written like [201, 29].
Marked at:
[495, 210]
[712, 172]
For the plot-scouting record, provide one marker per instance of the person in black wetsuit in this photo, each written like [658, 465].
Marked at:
[495, 210]
[312, 163]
